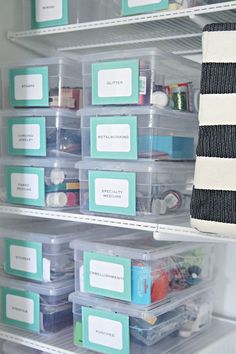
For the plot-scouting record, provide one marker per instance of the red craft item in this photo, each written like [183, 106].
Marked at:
[160, 287]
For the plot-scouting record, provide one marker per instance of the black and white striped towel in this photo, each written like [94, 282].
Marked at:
[213, 207]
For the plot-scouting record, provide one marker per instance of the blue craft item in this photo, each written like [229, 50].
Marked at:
[169, 147]
[141, 285]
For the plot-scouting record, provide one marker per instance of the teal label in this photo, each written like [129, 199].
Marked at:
[29, 87]
[115, 82]
[114, 138]
[27, 136]
[25, 185]
[105, 332]
[24, 259]
[21, 309]
[107, 276]
[49, 13]
[112, 192]
[131, 7]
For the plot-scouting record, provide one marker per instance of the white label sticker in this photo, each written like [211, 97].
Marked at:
[23, 259]
[112, 192]
[134, 3]
[106, 275]
[24, 185]
[48, 10]
[102, 331]
[113, 138]
[26, 136]
[28, 87]
[115, 83]
[20, 309]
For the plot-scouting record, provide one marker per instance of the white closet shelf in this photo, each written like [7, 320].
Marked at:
[177, 228]
[177, 31]
[215, 340]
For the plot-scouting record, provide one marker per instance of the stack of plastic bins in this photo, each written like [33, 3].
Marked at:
[37, 275]
[139, 107]
[152, 292]
[40, 139]
[40, 144]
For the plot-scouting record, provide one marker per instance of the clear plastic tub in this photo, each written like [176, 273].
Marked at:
[159, 270]
[135, 7]
[40, 251]
[146, 190]
[36, 307]
[145, 76]
[47, 82]
[132, 133]
[50, 13]
[99, 323]
[51, 183]
[40, 132]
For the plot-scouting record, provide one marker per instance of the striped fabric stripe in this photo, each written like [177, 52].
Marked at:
[217, 141]
[218, 78]
[217, 109]
[213, 206]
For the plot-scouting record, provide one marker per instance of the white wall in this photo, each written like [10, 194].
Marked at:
[225, 296]
[11, 14]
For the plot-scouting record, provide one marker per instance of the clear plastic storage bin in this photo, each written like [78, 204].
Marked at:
[40, 132]
[40, 251]
[148, 190]
[51, 183]
[135, 7]
[136, 268]
[104, 325]
[48, 82]
[36, 307]
[50, 13]
[144, 76]
[132, 133]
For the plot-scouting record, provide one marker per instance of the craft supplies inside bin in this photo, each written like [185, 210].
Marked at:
[50, 183]
[40, 251]
[147, 190]
[48, 82]
[40, 132]
[131, 133]
[145, 76]
[51, 13]
[104, 325]
[133, 267]
[36, 307]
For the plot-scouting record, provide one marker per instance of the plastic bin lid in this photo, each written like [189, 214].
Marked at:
[45, 61]
[37, 112]
[48, 289]
[137, 311]
[139, 52]
[49, 232]
[47, 162]
[137, 110]
[132, 245]
[136, 166]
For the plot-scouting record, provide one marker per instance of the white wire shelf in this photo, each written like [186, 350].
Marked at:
[175, 228]
[165, 29]
[217, 339]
